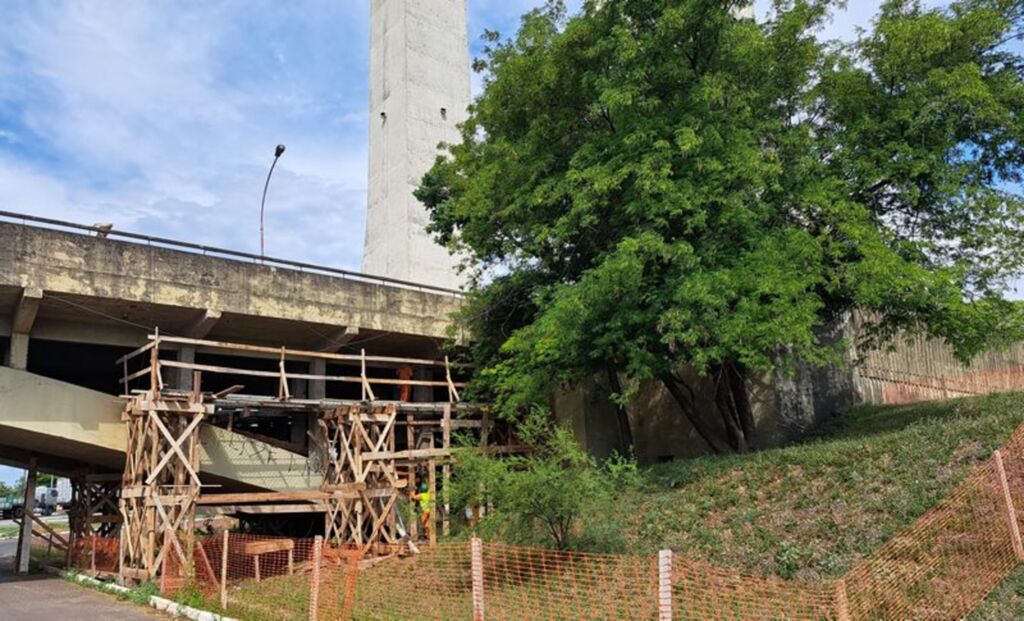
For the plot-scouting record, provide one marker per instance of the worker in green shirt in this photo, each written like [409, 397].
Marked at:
[426, 504]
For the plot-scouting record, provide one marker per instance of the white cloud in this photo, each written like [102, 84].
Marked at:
[164, 118]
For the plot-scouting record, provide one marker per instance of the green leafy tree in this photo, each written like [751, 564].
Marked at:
[653, 184]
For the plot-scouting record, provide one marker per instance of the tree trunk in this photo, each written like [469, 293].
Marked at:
[727, 410]
[688, 405]
[625, 431]
[738, 385]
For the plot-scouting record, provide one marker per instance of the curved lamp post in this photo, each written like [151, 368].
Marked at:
[263, 203]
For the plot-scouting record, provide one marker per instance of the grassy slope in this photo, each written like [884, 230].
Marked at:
[811, 511]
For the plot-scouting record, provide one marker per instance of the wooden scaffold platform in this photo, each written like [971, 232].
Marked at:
[355, 444]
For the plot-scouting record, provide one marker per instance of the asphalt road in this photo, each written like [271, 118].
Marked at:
[42, 596]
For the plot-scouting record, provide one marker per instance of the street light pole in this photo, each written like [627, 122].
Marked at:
[263, 203]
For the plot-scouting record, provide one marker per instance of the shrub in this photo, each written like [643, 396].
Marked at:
[542, 497]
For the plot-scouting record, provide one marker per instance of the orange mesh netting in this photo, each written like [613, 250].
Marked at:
[941, 567]
[94, 553]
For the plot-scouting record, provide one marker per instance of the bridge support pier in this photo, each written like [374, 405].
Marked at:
[28, 508]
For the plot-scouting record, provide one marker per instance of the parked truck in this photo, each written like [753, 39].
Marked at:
[11, 507]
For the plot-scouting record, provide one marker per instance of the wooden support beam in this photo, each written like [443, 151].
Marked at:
[261, 497]
[271, 509]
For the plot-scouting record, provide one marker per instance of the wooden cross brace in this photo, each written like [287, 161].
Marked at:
[175, 447]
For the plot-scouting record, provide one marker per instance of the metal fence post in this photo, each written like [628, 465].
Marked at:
[1011, 512]
[665, 585]
[314, 579]
[476, 552]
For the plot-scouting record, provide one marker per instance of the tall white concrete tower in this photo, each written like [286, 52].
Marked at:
[419, 91]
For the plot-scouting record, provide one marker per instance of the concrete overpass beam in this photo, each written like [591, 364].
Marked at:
[338, 339]
[198, 328]
[21, 326]
[332, 343]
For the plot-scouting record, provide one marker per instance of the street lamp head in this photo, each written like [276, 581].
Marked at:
[279, 150]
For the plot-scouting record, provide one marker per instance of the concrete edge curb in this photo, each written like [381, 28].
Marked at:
[155, 601]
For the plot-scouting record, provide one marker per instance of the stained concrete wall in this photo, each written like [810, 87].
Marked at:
[660, 430]
[785, 406]
[419, 92]
[789, 404]
[69, 263]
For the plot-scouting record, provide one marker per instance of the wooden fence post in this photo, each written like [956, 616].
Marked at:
[1011, 512]
[314, 579]
[224, 571]
[665, 585]
[476, 552]
[842, 602]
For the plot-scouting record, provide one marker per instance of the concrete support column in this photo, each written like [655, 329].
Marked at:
[183, 377]
[25, 536]
[16, 355]
[318, 388]
[299, 426]
[22, 321]
[422, 394]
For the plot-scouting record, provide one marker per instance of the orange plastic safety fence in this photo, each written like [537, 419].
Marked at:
[945, 564]
[527, 583]
[941, 567]
[436, 584]
[265, 577]
[94, 553]
[703, 592]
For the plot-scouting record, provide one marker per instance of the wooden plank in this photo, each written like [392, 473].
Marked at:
[228, 391]
[271, 509]
[350, 379]
[259, 497]
[414, 454]
[275, 351]
[148, 346]
[136, 375]
[255, 548]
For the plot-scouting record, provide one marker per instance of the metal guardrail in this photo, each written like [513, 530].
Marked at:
[223, 253]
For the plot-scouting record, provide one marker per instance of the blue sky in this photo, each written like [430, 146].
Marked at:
[161, 117]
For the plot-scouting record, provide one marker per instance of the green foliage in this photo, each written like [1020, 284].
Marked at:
[7, 491]
[653, 183]
[811, 511]
[557, 495]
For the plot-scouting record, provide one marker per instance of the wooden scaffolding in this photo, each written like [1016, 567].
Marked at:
[354, 443]
[161, 483]
[360, 475]
[92, 513]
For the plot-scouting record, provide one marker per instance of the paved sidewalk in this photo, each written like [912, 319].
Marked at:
[48, 597]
